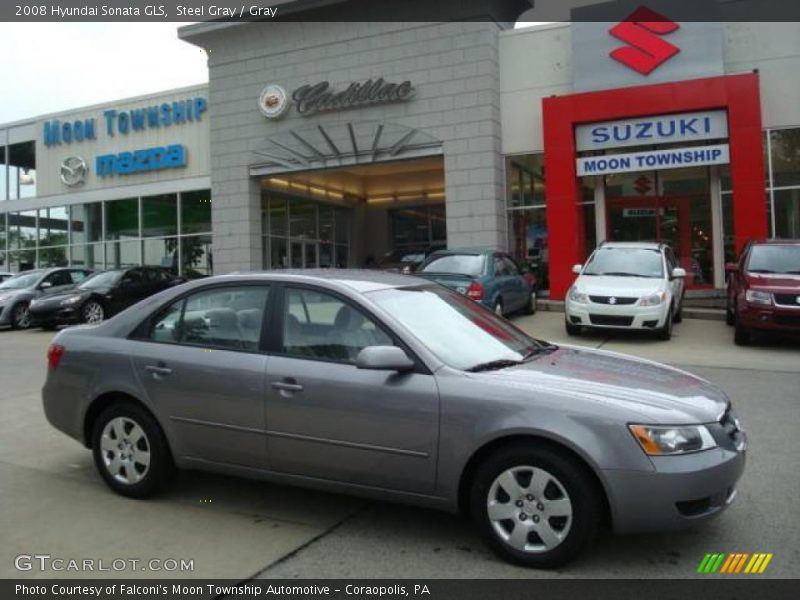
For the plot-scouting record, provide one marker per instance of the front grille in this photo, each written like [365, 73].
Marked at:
[617, 300]
[793, 320]
[615, 321]
[788, 299]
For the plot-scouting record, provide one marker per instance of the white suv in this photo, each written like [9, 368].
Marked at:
[627, 285]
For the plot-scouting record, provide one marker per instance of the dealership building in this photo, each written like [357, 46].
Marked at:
[319, 144]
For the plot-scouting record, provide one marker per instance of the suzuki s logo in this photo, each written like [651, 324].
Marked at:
[646, 50]
[612, 300]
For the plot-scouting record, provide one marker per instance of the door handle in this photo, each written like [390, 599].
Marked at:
[287, 386]
[158, 371]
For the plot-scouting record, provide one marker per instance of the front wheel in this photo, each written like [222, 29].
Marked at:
[730, 315]
[571, 328]
[130, 450]
[93, 312]
[21, 317]
[535, 506]
[665, 333]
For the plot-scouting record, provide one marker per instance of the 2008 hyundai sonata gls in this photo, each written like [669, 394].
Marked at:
[393, 387]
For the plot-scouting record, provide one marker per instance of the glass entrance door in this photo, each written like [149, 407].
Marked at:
[303, 255]
[682, 222]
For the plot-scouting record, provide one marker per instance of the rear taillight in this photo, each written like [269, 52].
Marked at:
[54, 354]
[475, 291]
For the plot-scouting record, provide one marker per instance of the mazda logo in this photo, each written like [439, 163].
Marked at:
[73, 171]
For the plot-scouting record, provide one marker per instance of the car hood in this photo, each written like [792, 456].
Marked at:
[650, 392]
[602, 285]
[13, 292]
[774, 282]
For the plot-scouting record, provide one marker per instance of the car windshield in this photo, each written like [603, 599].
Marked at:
[21, 281]
[101, 280]
[776, 258]
[456, 264]
[460, 332]
[626, 262]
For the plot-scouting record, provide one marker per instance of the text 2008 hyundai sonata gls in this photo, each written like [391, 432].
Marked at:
[394, 387]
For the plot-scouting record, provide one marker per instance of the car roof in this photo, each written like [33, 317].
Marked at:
[358, 280]
[640, 245]
[776, 241]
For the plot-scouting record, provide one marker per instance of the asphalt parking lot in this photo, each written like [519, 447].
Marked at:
[53, 502]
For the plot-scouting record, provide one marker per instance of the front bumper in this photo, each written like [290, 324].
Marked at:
[626, 316]
[769, 318]
[54, 314]
[681, 492]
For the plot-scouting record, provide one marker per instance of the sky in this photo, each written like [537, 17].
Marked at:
[53, 67]
[50, 67]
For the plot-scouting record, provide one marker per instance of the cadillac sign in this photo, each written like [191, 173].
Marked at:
[321, 97]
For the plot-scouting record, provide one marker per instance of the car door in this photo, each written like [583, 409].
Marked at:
[516, 283]
[328, 419]
[55, 282]
[200, 364]
[676, 283]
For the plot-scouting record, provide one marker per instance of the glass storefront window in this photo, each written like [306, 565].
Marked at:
[3, 239]
[787, 213]
[22, 260]
[589, 228]
[527, 237]
[161, 253]
[89, 256]
[122, 219]
[3, 190]
[303, 219]
[122, 254]
[22, 229]
[279, 253]
[53, 226]
[160, 215]
[86, 222]
[525, 175]
[22, 170]
[785, 150]
[278, 216]
[196, 256]
[196, 212]
[342, 226]
[55, 256]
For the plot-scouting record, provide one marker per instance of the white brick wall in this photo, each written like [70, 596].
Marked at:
[454, 67]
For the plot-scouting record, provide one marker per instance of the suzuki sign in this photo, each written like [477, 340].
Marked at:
[645, 50]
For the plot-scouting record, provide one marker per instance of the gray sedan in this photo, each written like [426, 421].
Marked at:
[396, 388]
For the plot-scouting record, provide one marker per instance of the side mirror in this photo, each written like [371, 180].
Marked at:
[384, 358]
[45, 285]
[577, 269]
[678, 273]
[731, 267]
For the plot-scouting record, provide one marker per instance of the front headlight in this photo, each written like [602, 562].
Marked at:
[653, 299]
[5, 297]
[577, 296]
[70, 301]
[658, 440]
[756, 297]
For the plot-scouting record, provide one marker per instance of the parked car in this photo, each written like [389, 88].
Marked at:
[17, 292]
[100, 296]
[492, 278]
[405, 260]
[4, 275]
[627, 285]
[764, 289]
[392, 387]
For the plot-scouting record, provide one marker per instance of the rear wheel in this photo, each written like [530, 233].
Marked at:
[679, 312]
[498, 307]
[93, 312]
[21, 317]
[535, 506]
[530, 307]
[665, 333]
[130, 450]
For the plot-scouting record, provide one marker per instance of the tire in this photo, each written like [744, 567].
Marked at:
[665, 333]
[571, 524]
[498, 307]
[124, 469]
[679, 313]
[21, 316]
[93, 312]
[742, 336]
[571, 328]
[730, 315]
[530, 307]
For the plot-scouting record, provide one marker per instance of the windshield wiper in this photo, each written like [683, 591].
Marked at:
[621, 274]
[493, 365]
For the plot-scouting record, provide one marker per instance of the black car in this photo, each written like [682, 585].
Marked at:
[101, 296]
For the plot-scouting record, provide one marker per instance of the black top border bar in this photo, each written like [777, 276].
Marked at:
[500, 11]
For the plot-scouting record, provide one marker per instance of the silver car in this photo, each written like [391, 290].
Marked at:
[393, 387]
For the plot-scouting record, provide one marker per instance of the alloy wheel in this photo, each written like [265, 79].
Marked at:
[93, 313]
[22, 317]
[125, 450]
[529, 509]
[498, 308]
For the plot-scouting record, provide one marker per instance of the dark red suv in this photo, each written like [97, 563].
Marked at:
[764, 289]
